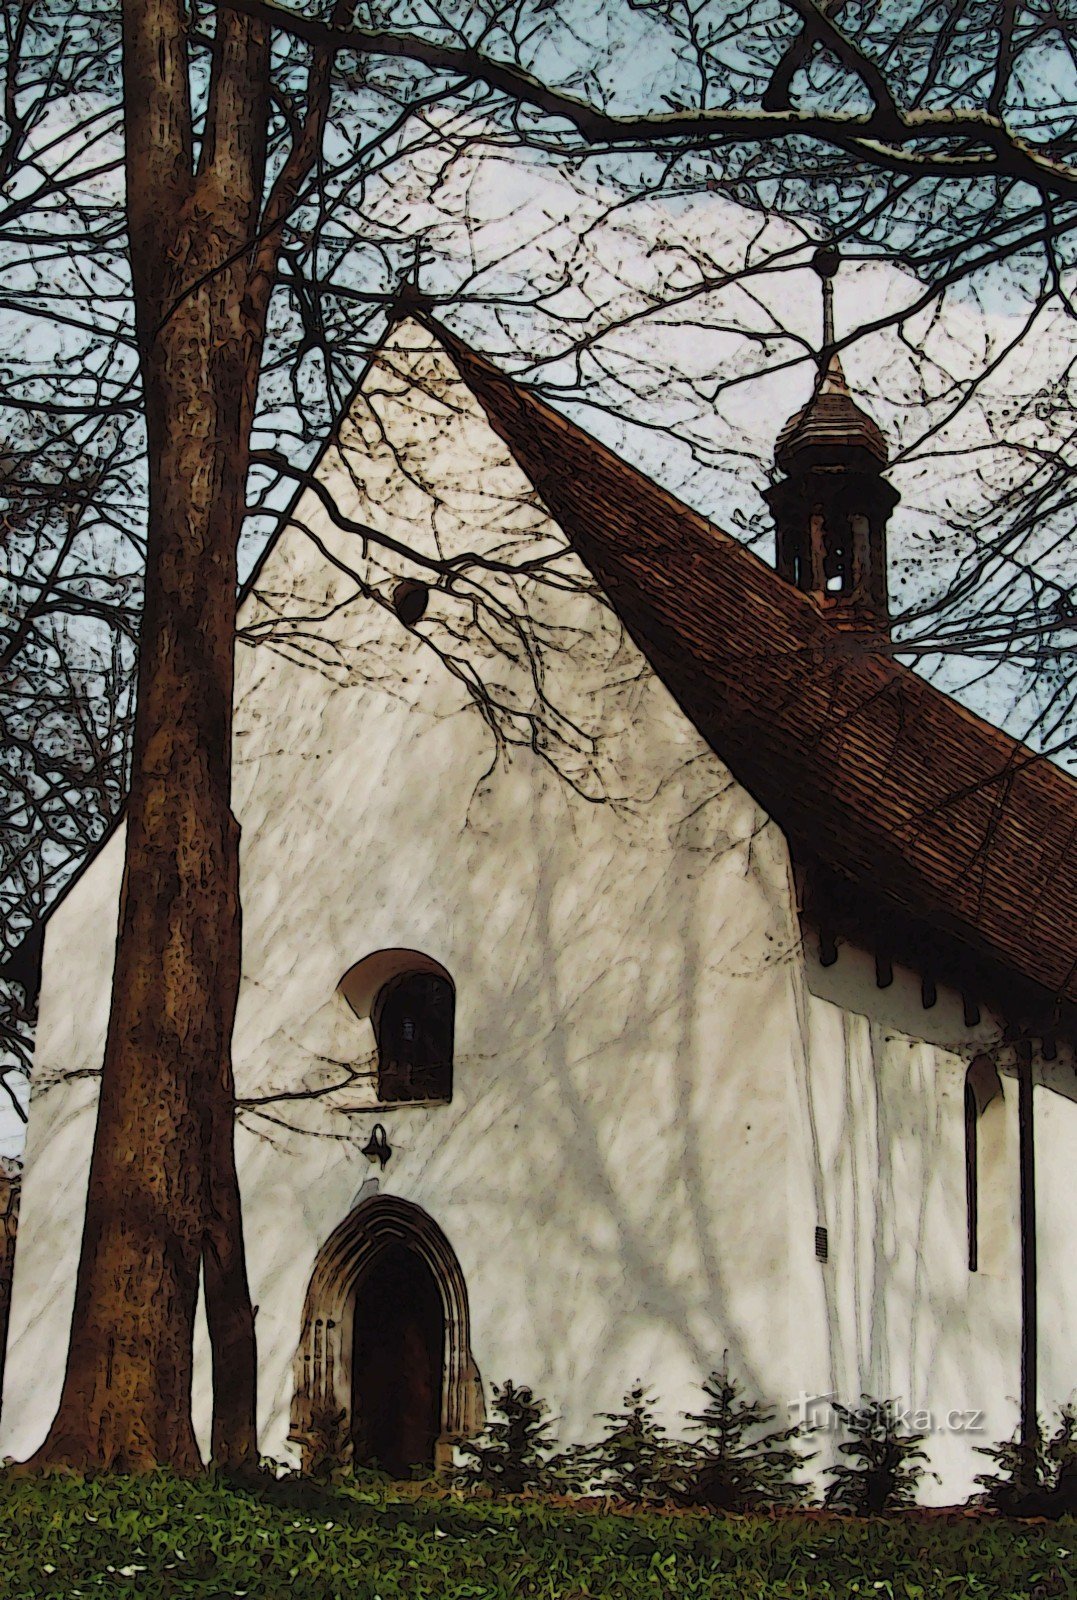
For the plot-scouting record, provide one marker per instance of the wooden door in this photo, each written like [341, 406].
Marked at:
[397, 1364]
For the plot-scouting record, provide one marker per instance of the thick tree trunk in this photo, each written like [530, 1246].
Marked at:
[126, 1400]
[163, 1195]
[234, 1443]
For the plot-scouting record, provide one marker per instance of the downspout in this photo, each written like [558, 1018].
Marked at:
[1029, 1418]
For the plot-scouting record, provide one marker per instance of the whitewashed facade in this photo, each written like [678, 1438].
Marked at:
[658, 1095]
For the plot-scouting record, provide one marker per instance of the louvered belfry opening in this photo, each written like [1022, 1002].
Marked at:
[832, 505]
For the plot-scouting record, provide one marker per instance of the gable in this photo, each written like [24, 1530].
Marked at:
[920, 830]
[425, 491]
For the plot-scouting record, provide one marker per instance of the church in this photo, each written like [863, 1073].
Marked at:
[640, 964]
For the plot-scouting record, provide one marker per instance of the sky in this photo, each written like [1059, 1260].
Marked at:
[696, 390]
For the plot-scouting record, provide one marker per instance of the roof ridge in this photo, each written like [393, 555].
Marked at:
[916, 803]
[840, 643]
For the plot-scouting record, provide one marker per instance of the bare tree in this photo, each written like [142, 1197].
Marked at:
[280, 165]
[66, 685]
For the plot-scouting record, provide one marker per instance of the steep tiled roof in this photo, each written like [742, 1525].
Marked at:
[949, 843]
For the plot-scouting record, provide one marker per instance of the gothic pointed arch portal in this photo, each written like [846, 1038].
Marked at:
[384, 1367]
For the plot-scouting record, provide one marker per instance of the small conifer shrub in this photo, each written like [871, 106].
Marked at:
[512, 1453]
[634, 1461]
[739, 1463]
[884, 1464]
[1034, 1480]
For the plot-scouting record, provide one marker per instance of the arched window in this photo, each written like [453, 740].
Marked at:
[411, 1003]
[982, 1087]
[413, 1024]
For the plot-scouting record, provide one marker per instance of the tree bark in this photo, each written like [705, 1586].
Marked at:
[234, 1439]
[126, 1395]
[164, 1197]
[163, 1194]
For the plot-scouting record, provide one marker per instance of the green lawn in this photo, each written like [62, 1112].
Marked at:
[157, 1537]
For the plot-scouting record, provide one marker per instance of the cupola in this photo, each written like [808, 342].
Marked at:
[831, 507]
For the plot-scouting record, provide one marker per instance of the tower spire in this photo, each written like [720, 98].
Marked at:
[831, 508]
[825, 263]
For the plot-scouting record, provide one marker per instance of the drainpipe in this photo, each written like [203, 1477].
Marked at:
[1029, 1419]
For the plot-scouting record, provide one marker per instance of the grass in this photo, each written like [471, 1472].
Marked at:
[62, 1538]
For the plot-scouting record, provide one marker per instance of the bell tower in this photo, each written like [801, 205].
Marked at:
[831, 507]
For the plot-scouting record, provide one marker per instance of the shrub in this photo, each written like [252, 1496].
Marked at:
[884, 1467]
[737, 1464]
[512, 1452]
[326, 1444]
[634, 1460]
[1036, 1479]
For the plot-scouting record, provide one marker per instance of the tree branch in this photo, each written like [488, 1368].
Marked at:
[1004, 61]
[820, 29]
[887, 129]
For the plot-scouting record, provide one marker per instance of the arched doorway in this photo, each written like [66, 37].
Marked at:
[384, 1369]
[398, 1343]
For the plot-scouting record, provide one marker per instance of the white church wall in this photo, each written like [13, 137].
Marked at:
[651, 1109]
[1055, 1117]
[73, 1006]
[622, 1062]
[912, 1322]
[915, 1323]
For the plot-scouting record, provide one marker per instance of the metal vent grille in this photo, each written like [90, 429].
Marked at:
[822, 1245]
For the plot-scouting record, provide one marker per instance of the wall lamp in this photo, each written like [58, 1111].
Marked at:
[377, 1147]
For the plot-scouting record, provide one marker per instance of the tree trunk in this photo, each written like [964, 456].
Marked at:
[163, 1194]
[164, 1092]
[234, 1445]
